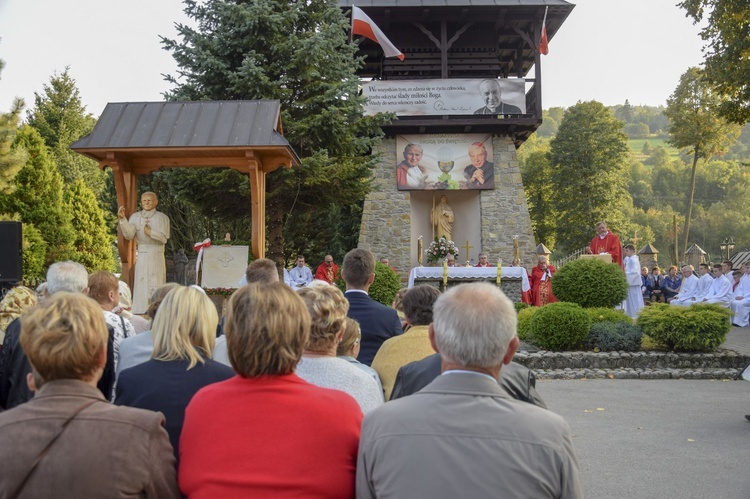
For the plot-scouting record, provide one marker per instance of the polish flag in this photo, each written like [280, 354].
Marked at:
[362, 25]
[543, 41]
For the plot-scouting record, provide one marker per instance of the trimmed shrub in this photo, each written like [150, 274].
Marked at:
[384, 288]
[697, 328]
[608, 315]
[610, 336]
[524, 322]
[560, 326]
[520, 305]
[590, 283]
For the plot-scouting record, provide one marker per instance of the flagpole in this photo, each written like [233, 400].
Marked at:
[544, 21]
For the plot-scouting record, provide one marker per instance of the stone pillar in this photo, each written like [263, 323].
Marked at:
[504, 211]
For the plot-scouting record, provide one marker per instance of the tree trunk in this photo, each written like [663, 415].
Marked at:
[691, 193]
[274, 234]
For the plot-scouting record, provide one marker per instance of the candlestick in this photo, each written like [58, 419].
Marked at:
[445, 274]
[499, 271]
[419, 251]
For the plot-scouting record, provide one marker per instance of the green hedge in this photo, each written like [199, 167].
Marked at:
[590, 283]
[610, 336]
[697, 328]
[519, 305]
[384, 288]
[524, 322]
[560, 326]
[608, 315]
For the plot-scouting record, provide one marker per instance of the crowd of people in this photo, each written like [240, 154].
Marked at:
[307, 392]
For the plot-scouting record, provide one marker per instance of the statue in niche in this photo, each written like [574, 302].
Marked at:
[442, 219]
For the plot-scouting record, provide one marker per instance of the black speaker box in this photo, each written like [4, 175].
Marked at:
[11, 249]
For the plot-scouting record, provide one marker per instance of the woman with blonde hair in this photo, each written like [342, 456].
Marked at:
[319, 365]
[348, 349]
[17, 301]
[184, 334]
[266, 432]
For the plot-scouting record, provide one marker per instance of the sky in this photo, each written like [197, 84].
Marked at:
[633, 49]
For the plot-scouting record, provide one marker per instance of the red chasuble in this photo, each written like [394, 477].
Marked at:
[610, 244]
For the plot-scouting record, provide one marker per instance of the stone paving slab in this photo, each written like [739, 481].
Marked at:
[738, 340]
[641, 439]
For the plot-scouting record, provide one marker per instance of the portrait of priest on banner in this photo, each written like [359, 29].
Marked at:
[445, 162]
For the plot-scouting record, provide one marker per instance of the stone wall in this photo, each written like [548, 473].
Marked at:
[386, 218]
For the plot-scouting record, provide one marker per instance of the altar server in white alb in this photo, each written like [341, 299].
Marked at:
[150, 229]
[740, 305]
[720, 291]
[634, 301]
[690, 292]
[705, 279]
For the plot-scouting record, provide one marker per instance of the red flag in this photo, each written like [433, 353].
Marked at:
[543, 43]
[362, 25]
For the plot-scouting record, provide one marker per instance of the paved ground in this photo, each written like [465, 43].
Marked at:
[664, 439]
[738, 339]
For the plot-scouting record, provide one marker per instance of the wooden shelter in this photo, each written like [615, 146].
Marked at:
[136, 138]
[444, 39]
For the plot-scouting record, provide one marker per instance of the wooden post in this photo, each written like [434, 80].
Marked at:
[126, 186]
[257, 205]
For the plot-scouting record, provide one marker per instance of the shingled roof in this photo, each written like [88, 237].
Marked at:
[179, 124]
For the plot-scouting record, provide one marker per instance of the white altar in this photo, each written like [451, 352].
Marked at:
[469, 273]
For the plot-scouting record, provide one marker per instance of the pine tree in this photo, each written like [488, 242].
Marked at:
[12, 158]
[38, 198]
[93, 245]
[589, 157]
[60, 118]
[298, 53]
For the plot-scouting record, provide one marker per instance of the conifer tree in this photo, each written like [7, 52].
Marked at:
[61, 118]
[12, 158]
[93, 245]
[298, 53]
[38, 198]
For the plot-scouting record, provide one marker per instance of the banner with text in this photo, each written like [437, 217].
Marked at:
[440, 97]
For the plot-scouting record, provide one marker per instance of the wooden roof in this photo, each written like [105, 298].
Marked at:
[202, 133]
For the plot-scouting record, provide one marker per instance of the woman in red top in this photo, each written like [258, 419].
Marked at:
[267, 432]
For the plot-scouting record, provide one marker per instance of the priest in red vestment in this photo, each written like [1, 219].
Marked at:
[327, 271]
[606, 242]
[541, 283]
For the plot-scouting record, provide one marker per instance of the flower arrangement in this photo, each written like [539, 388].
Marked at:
[440, 248]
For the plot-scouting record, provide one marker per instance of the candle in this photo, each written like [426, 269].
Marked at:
[499, 271]
[445, 273]
[419, 250]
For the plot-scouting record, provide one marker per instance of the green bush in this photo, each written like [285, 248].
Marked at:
[384, 288]
[590, 283]
[560, 326]
[609, 336]
[524, 321]
[520, 305]
[608, 315]
[697, 328]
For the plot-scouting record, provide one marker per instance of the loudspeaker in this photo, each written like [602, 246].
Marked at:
[11, 250]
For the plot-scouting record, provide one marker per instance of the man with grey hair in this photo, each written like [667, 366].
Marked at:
[463, 422]
[14, 366]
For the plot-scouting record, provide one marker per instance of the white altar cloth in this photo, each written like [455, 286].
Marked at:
[470, 273]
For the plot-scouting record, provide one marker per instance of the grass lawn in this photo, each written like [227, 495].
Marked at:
[636, 145]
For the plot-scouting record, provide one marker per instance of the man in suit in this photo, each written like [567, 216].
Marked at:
[516, 379]
[378, 322]
[464, 423]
